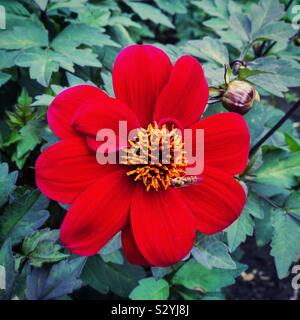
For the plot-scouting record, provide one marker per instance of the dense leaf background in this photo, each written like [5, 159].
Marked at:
[49, 45]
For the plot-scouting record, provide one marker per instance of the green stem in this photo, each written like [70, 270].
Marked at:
[245, 51]
[255, 148]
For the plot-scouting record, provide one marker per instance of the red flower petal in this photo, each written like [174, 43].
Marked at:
[64, 105]
[139, 74]
[226, 142]
[185, 95]
[97, 214]
[104, 113]
[163, 226]
[67, 168]
[216, 202]
[131, 250]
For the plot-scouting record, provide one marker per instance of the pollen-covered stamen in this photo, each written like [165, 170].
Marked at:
[156, 156]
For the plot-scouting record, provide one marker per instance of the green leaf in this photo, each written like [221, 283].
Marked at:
[4, 77]
[108, 86]
[121, 35]
[74, 80]
[159, 273]
[41, 64]
[76, 34]
[277, 31]
[261, 23]
[212, 252]
[120, 279]
[7, 182]
[114, 257]
[280, 172]
[214, 296]
[93, 16]
[90, 275]
[32, 241]
[46, 252]
[124, 21]
[7, 58]
[35, 36]
[265, 12]
[209, 49]
[245, 73]
[255, 205]
[288, 71]
[62, 279]
[263, 227]
[14, 7]
[193, 275]
[243, 226]
[230, 37]
[111, 253]
[12, 139]
[213, 8]
[171, 6]
[7, 264]
[261, 119]
[150, 289]
[215, 77]
[174, 52]
[29, 138]
[82, 57]
[239, 230]
[42, 4]
[285, 242]
[188, 294]
[216, 23]
[241, 25]
[292, 204]
[43, 100]
[279, 75]
[41, 247]
[292, 142]
[24, 99]
[112, 246]
[270, 83]
[148, 12]
[16, 13]
[23, 216]
[66, 4]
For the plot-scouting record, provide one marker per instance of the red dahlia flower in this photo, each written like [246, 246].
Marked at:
[158, 226]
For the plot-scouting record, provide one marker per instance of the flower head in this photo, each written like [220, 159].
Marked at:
[143, 196]
[240, 96]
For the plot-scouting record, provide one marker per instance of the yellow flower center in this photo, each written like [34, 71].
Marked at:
[156, 156]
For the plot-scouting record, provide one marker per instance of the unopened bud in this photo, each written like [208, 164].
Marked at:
[297, 41]
[239, 96]
[236, 65]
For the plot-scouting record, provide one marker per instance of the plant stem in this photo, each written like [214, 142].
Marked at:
[261, 49]
[269, 48]
[271, 202]
[244, 51]
[274, 129]
[286, 8]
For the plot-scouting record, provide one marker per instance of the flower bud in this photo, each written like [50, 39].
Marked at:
[239, 96]
[236, 65]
